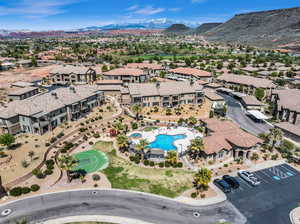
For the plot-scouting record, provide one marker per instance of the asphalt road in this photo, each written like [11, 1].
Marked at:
[236, 112]
[272, 200]
[117, 203]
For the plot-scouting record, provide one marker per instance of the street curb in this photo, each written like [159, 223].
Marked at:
[95, 218]
[116, 190]
[292, 216]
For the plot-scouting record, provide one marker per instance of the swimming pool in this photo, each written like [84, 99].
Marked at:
[135, 135]
[166, 142]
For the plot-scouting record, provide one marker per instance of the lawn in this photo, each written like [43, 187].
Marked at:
[124, 174]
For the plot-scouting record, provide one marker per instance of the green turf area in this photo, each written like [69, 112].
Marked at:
[91, 161]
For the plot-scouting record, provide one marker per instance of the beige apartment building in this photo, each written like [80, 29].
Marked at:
[126, 75]
[72, 74]
[192, 74]
[164, 94]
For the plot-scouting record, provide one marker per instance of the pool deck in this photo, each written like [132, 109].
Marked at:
[181, 144]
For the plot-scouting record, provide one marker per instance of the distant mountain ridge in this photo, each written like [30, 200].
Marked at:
[271, 27]
[161, 23]
[206, 27]
[178, 29]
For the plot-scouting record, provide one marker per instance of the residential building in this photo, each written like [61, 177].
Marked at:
[246, 84]
[251, 103]
[192, 74]
[23, 93]
[216, 101]
[150, 68]
[127, 75]
[44, 112]
[286, 105]
[72, 74]
[165, 94]
[289, 130]
[225, 140]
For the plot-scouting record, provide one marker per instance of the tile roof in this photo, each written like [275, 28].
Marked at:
[288, 98]
[164, 88]
[48, 102]
[125, 72]
[212, 95]
[227, 131]
[286, 126]
[247, 80]
[251, 100]
[145, 66]
[191, 71]
[69, 69]
[21, 91]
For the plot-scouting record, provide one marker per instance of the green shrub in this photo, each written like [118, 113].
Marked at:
[152, 163]
[161, 165]
[179, 165]
[48, 172]
[132, 158]
[26, 190]
[16, 191]
[167, 164]
[193, 195]
[34, 187]
[146, 162]
[96, 177]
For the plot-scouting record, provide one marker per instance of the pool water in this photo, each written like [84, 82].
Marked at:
[136, 135]
[166, 142]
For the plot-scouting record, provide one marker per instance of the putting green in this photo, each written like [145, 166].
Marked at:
[91, 161]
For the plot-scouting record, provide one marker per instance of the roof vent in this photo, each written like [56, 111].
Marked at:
[54, 94]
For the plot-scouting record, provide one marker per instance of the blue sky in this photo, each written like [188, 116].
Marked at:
[68, 14]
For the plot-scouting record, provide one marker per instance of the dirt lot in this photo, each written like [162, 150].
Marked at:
[199, 111]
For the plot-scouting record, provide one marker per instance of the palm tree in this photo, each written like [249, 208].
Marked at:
[67, 163]
[123, 142]
[172, 157]
[196, 148]
[202, 178]
[31, 154]
[137, 109]
[192, 120]
[275, 136]
[119, 127]
[141, 146]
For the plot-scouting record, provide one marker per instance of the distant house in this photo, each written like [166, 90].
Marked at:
[23, 93]
[150, 68]
[127, 75]
[192, 74]
[290, 131]
[165, 94]
[70, 74]
[245, 84]
[24, 63]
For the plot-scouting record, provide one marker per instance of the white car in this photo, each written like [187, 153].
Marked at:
[249, 177]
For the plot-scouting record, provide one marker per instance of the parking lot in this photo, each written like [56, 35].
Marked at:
[272, 200]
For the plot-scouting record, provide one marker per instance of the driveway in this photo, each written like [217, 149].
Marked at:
[236, 112]
[272, 200]
[126, 204]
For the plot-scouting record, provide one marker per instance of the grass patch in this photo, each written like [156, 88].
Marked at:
[124, 174]
[148, 129]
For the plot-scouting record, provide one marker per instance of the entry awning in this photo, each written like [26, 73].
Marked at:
[257, 114]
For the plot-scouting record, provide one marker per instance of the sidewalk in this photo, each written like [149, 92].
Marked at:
[295, 216]
[221, 197]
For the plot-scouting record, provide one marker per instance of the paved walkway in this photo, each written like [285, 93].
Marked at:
[295, 216]
[95, 218]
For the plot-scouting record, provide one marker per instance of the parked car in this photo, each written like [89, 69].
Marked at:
[231, 181]
[223, 185]
[249, 177]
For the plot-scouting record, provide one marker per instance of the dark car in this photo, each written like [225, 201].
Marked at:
[223, 185]
[231, 181]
